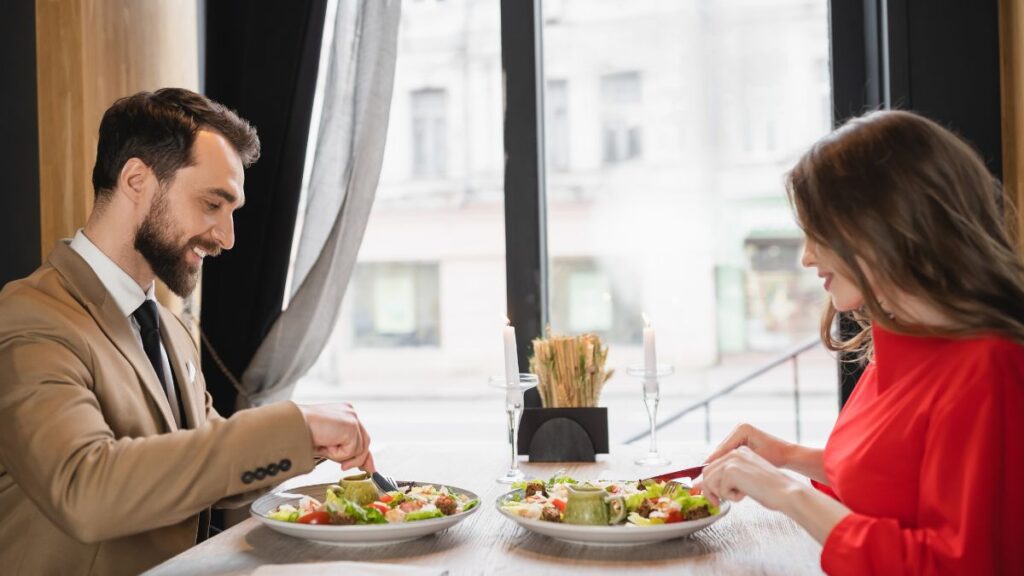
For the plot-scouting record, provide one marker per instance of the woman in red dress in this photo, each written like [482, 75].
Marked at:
[924, 470]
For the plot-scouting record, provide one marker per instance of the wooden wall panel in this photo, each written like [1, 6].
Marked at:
[1011, 41]
[89, 54]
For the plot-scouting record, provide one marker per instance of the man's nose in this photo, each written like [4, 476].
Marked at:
[224, 233]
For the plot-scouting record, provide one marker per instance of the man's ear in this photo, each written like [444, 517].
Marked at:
[135, 179]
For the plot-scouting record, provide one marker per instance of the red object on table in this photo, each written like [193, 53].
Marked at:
[691, 473]
[929, 455]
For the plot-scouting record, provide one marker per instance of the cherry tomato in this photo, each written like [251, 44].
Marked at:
[674, 516]
[320, 517]
[382, 507]
[558, 504]
[387, 498]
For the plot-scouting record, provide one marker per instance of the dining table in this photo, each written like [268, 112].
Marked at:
[749, 539]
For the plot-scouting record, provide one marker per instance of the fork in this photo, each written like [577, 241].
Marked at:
[671, 487]
[384, 483]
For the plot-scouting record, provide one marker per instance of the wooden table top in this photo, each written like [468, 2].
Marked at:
[748, 540]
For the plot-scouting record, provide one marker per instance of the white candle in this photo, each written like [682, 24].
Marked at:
[650, 356]
[512, 395]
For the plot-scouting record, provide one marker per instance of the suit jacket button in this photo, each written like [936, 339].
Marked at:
[272, 469]
[248, 477]
[285, 465]
[261, 473]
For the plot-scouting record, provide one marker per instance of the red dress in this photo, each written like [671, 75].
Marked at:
[928, 453]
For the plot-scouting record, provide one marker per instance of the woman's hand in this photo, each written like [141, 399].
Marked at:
[742, 473]
[775, 450]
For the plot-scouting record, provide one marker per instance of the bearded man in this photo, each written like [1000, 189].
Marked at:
[110, 449]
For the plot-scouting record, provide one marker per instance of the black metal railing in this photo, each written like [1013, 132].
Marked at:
[705, 402]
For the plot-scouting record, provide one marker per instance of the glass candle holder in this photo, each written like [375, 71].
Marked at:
[513, 410]
[652, 395]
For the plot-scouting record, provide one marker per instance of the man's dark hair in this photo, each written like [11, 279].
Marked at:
[159, 128]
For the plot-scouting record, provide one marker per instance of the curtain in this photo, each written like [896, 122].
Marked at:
[343, 184]
[261, 59]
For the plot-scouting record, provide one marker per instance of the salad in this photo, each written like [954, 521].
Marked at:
[409, 505]
[646, 502]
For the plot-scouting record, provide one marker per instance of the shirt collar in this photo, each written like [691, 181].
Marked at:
[122, 287]
[899, 354]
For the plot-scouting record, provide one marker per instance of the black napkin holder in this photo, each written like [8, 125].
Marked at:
[563, 434]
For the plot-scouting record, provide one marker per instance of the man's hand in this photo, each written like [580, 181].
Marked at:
[338, 435]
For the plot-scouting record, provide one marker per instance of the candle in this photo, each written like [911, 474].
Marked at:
[650, 357]
[513, 395]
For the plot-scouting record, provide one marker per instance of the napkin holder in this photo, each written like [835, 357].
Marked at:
[563, 434]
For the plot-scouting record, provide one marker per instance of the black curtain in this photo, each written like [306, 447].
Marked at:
[261, 60]
[19, 150]
[936, 57]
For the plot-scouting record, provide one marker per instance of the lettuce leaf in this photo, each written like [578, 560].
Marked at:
[423, 515]
[641, 521]
[285, 515]
[337, 504]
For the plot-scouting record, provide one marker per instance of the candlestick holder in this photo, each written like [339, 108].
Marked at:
[513, 409]
[652, 395]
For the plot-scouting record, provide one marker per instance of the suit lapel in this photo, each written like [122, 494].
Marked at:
[178, 359]
[91, 293]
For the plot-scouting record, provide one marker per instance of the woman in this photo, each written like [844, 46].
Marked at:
[924, 470]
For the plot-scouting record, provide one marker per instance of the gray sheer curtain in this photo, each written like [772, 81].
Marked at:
[343, 184]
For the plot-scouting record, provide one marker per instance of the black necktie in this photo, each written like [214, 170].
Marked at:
[149, 327]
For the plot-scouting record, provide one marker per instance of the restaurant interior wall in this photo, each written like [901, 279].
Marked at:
[1011, 52]
[86, 59]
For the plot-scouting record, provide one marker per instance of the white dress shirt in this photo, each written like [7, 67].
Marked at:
[129, 296]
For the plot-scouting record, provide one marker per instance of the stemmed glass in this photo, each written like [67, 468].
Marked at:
[514, 409]
[652, 395]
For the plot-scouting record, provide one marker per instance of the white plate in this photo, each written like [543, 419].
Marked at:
[354, 534]
[626, 535]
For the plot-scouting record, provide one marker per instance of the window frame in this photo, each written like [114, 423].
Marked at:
[525, 197]
[524, 139]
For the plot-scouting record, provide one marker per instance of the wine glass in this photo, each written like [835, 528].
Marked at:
[652, 395]
[513, 409]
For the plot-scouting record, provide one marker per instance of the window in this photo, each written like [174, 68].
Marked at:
[780, 299]
[585, 298]
[621, 127]
[668, 127]
[673, 204]
[420, 323]
[395, 305]
[429, 132]
[557, 124]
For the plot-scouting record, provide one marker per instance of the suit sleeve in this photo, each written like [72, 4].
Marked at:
[969, 500]
[57, 446]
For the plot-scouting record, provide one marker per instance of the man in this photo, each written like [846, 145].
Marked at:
[110, 448]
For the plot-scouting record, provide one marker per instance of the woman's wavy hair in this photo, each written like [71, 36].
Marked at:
[897, 194]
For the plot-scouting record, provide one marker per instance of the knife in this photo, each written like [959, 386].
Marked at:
[692, 472]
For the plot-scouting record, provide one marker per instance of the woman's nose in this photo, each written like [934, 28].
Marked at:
[807, 258]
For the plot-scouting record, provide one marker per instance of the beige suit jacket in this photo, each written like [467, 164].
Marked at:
[95, 477]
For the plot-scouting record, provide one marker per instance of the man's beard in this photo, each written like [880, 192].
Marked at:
[155, 241]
